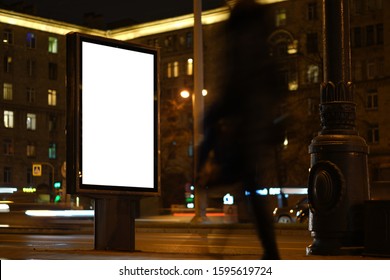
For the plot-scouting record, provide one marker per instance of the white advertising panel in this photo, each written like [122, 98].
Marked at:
[115, 119]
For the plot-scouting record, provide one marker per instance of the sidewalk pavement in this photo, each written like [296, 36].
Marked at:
[177, 224]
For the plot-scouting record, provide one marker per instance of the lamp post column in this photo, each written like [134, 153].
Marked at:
[198, 110]
[338, 181]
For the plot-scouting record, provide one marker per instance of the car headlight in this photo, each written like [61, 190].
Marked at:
[4, 208]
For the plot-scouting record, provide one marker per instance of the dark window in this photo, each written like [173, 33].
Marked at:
[8, 147]
[379, 34]
[30, 40]
[31, 67]
[8, 37]
[357, 37]
[312, 11]
[53, 72]
[370, 35]
[30, 92]
[7, 175]
[373, 134]
[189, 39]
[312, 42]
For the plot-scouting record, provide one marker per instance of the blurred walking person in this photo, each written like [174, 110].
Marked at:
[239, 127]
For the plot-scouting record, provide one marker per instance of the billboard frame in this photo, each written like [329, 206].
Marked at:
[74, 119]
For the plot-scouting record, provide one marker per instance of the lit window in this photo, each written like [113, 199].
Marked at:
[292, 47]
[53, 45]
[52, 151]
[8, 119]
[7, 64]
[173, 69]
[7, 91]
[31, 121]
[285, 142]
[176, 69]
[372, 100]
[52, 97]
[313, 72]
[30, 40]
[31, 149]
[293, 85]
[169, 70]
[190, 67]
[292, 81]
[281, 17]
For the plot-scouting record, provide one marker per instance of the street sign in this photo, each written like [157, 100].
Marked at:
[37, 169]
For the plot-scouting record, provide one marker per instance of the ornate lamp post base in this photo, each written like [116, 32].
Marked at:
[338, 181]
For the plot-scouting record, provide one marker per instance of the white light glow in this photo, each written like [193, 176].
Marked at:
[4, 208]
[185, 93]
[228, 199]
[60, 213]
[8, 190]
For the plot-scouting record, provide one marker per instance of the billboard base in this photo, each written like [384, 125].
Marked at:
[115, 223]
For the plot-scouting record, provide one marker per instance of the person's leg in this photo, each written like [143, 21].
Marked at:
[264, 225]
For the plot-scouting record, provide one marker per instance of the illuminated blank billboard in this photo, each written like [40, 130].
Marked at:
[112, 122]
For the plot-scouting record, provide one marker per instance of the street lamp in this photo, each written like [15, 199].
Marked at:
[185, 93]
[200, 193]
[198, 108]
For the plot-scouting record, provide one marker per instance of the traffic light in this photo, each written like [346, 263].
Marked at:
[57, 198]
[189, 196]
[58, 191]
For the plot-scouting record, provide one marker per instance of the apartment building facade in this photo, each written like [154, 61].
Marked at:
[33, 98]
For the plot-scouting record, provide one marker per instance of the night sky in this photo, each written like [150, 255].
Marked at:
[73, 11]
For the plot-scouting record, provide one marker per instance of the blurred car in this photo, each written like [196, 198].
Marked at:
[299, 213]
[4, 208]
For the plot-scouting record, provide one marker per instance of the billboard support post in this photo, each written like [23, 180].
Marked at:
[115, 223]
